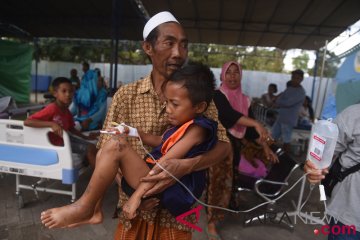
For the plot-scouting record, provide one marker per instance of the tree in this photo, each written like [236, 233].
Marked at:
[215, 55]
[130, 52]
[251, 58]
[331, 64]
[301, 61]
[264, 59]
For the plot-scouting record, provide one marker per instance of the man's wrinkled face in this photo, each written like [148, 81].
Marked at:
[170, 50]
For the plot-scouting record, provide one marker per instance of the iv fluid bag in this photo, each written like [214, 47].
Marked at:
[322, 143]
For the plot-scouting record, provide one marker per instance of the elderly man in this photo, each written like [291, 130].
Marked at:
[142, 105]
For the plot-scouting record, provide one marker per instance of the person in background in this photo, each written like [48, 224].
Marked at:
[85, 68]
[75, 80]
[142, 104]
[233, 109]
[288, 106]
[306, 115]
[268, 99]
[101, 77]
[89, 104]
[343, 206]
[57, 116]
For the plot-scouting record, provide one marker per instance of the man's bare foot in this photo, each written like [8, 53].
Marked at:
[67, 215]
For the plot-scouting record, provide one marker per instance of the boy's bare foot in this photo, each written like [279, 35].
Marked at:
[67, 215]
[95, 219]
[130, 207]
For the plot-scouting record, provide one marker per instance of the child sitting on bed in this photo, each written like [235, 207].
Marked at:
[57, 116]
[188, 94]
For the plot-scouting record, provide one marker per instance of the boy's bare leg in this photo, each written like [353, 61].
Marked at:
[113, 152]
[127, 168]
[98, 215]
[130, 207]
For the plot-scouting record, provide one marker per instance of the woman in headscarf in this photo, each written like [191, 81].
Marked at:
[89, 104]
[233, 107]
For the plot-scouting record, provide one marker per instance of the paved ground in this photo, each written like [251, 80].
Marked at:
[17, 224]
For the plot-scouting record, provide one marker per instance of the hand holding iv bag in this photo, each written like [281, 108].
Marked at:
[322, 144]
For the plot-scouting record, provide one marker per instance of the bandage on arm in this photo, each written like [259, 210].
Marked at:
[122, 129]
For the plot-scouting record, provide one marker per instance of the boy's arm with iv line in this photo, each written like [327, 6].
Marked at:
[123, 129]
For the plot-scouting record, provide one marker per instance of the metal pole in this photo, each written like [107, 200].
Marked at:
[116, 24]
[315, 74]
[36, 68]
[318, 101]
[111, 66]
[325, 91]
[116, 63]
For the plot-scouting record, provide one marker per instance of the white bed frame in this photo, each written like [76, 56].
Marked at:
[27, 151]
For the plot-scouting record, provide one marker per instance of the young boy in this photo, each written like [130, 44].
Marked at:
[57, 116]
[188, 94]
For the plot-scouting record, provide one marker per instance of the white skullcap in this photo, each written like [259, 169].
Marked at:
[156, 20]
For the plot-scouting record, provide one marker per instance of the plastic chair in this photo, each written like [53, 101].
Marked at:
[260, 112]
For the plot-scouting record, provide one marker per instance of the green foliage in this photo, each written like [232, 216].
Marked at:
[251, 58]
[264, 59]
[301, 62]
[332, 63]
[70, 51]
[130, 52]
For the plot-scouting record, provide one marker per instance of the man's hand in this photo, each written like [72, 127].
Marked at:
[149, 204]
[177, 167]
[315, 175]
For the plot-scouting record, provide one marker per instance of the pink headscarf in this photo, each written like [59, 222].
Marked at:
[236, 98]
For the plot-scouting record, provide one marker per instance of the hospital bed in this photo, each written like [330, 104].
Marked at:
[9, 109]
[26, 151]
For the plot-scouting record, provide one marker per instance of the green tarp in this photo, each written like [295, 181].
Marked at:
[15, 70]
